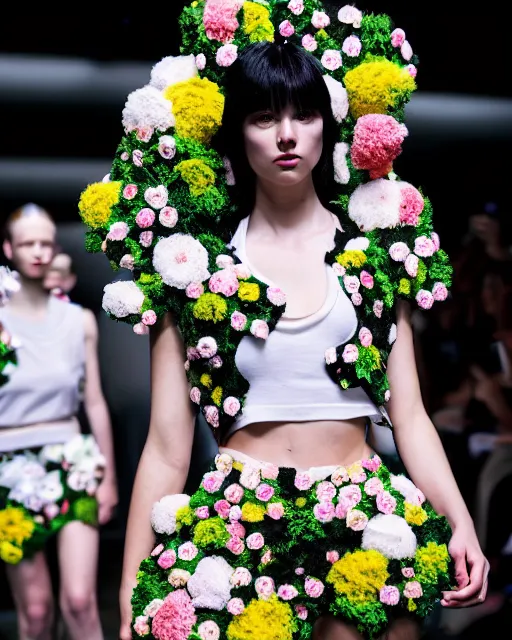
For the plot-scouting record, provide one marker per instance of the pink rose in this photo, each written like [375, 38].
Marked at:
[203, 513]
[412, 70]
[207, 347]
[141, 626]
[350, 353]
[130, 191]
[146, 238]
[373, 486]
[286, 29]
[320, 20]
[424, 299]
[351, 284]
[366, 279]
[168, 217]
[408, 572]
[269, 471]
[259, 329]
[187, 551]
[303, 480]
[231, 406]
[413, 590]
[127, 262]
[211, 414]
[145, 217]
[167, 559]
[234, 493]
[212, 481]
[156, 197]
[372, 464]
[356, 520]
[235, 606]
[118, 231]
[331, 59]
[351, 46]
[235, 513]
[301, 611]
[200, 61]
[287, 592]
[397, 37]
[264, 492]
[339, 476]
[236, 529]
[411, 265]
[137, 157]
[325, 491]
[275, 510]
[195, 395]
[149, 317]
[276, 296]
[157, 550]
[399, 251]
[386, 503]
[296, 6]
[144, 133]
[222, 507]
[378, 308]
[194, 290]
[324, 512]
[265, 587]
[439, 291]
[241, 577]
[215, 362]
[357, 299]
[313, 587]
[226, 55]
[167, 147]
[406, 50]
[424, 247]
[224, 281]
[235, 545]
[389, 595]
[309, 43]
[124, 156]
[365, 336]
[255, 541]
[238, 321]
[332, 556]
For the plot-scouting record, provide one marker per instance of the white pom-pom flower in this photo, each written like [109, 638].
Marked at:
[391, 536]
[147, 107]
[210, 585]
[341, 170]
[408, 489]
[181, 259]
[173, 69]
[375, 205]
[339, 98]
[357, 244]
[122, 299]
[163, 513]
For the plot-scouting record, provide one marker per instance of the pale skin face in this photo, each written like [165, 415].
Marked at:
[32, 246]
[59, 274]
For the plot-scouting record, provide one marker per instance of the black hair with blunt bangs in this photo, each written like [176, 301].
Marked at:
[270, 76]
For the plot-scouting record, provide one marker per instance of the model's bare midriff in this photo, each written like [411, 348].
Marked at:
[304, 444]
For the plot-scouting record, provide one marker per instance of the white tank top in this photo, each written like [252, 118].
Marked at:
[287, 372]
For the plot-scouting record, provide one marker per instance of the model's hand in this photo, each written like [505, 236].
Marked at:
[107, 498]
[471, 569]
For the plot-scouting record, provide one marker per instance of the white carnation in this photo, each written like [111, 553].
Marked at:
[51, 453]
[357, 244]
[173, 69]
[122, 299]
[210, 586]
[181, 259]
[341, 170]
[147, 107]
[19, 468]
[375, 205]
[339, 98]
[50, 488]
[163, 514]
[391, 536]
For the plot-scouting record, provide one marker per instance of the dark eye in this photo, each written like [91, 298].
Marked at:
[305, 115]
[264, 118]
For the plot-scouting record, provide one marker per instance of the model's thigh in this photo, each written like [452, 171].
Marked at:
[78, 547]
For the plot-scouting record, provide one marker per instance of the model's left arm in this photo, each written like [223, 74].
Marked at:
[424, 457]
[99, 419]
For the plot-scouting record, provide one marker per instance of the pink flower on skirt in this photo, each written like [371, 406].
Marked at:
[130, 191]
[372, 464]
[286, 29]
[234, 493]
[235, 606]
[157, 550]
[203, 513]
[303, 480]
[413, 590]
[301, 611]
[265, 587]
[222, 507]
[264, 492]
[236, 529]
[266, 557]
[255, 541]
[339, 476]
[241, 577]
[313, 587]
[332, 556]
[187, 551]
[269, 471]
[408, 572]
[287, 592]
[356, 520]
[275, 510]
[373, 486]
[235, 545]
[386, 503]
[235, 513]
[389, 595]
[212, 481]
[366, 279]
[325, 491]
[141, 626]
[324, 512]
[238, 321]
[167, 559]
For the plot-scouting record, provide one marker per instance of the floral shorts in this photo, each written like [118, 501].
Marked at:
[261, 552]
[44, 488]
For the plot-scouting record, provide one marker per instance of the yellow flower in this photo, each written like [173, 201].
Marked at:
[206, 380]
[253, 622]
[421, 276]
[217, 395]
[430, 561]
[197, 174]
[96, 202]
[184, 517]
[411, 605]
[211, 532]
[15, 527]
[249, 291]
[376, 85]
[257, 23]
[351, 258]
[404, 287]
[415, 514]
[359, 576]
[9, 553]
[253, 512]
[238, 466]
[322, 33]
[210, 306]
[197, 105]
[301, 502]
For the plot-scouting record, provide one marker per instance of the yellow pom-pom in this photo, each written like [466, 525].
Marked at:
[301, 502]
[249, 291]
[197, 174]
[351, 258]
[257, 23]
[430, 561]
[96, 202]
[404, 287]
[415, 514]
[206, 380]
[359, 576]
[217, 396]
[210, 306]
[254, 620]
[253, 512]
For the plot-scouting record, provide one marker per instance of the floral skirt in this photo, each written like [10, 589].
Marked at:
[44, 488]
[261, 552]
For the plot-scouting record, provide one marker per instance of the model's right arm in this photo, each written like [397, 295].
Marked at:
[164, 463]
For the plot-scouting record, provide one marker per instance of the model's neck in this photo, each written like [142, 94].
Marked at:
[32, 297]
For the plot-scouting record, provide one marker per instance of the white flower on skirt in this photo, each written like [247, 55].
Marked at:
[210, 585]
[147, 108]
[391, 536]
[163, 514]
[181, 259]
[122, 299]
[173, 69]
[50, 488]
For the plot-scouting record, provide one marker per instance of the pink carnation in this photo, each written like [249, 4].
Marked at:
[386, 503]
[203, 513]
[325, 491]
[137, 158]
[222, 507]
[130, 191]
[145, 217]
[264, 586]
[211, 414]
[124, 156]
[299, 571]
[339, 476]
[309, 43]
[235, 513]
[219, 19]
[357, 299]
[149, 317]
[194, 290]
[424, 299]
[215, 362]
[301, 611]
[264, 492]
[235, 545]
[193, 353]
[351, 495]
[255, 541]
[269, 471]
[212, 481]
[365, 337]
[399, 251]
[223, 261]
[339, 270]
[167, 559]
[168, 217]
[389, 595]
[411, 265]
[224, 281]
[286, 29]
[241, 577]
[373, 486]
[235, 606]
[313, 587]
[350, 353]
[226, 55]
[330, 355]
[412, 70]
[195, 394]
[372, 464]
[303, 480]
[351, 284]
[324, 512]
[406, 50]
[411, 205]
[118, 231]
[260, 329]
[356, 520]
[242, 271]
[141, 626]
[187, 551]
[157, 550]
[236, 529]
[351, 46]
[332, 556]
[146, 238]
[296, 7]
[275, 510]
[175, 618]
[207, 347]
[266, 557]
[231, 406]
[200, 61]
[287, 592]
[377, 142]
[439, 291]
[276, 296]
[238, 321]
[397, 37]
[413, 590]
[331, 59]
[408, 572]
[366, 279]
[140, 329]
[436, 240]
[378, 308]
[320, 20]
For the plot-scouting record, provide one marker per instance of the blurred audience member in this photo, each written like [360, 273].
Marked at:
[60, 279]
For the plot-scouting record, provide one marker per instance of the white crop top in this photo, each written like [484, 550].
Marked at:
[287, 372]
